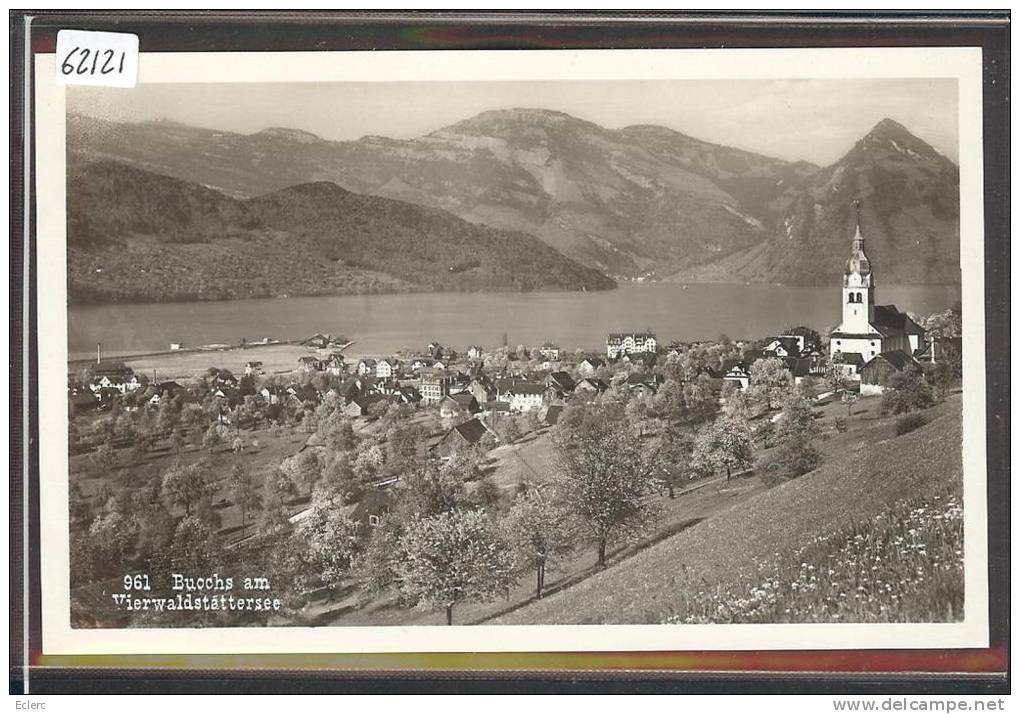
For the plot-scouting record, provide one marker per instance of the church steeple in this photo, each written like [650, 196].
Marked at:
[858, 284]
[858, 262]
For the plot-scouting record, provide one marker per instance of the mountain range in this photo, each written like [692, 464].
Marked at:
[639, 201]
[135, 235]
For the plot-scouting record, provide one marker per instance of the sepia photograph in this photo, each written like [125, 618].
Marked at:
[456, 352]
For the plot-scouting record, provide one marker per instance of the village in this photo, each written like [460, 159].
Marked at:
[325, 476]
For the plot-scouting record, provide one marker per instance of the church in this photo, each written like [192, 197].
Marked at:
[867, 329]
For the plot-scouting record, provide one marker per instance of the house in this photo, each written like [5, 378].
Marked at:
[561, 382]
[165, 390]
[525, 396]
[850, 364]
[590, 386]
[374, 505]
[335, 365]
[474, 352]
[642, 385]
[552, 414]
[433, 386]
[466, 435]
[458, 382]
[589, 366]
[458, 405]
[736, 372]
[482, 389]
[877, 373]
[310, 363]
[496, 408]
[419, 363]
[253, 368]
[800, 367]
[386, 369]
[222, 379]
[361, 406]
[366, 367]
[271, 394]
[784, 346]
[550, 351]
[80, 401]
[868, 329]
[408, 395]
[629, 343]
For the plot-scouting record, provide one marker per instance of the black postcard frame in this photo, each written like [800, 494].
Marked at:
[32, 32]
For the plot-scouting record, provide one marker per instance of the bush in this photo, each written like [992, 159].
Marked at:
[794, 458]
[840, 425]
[908, 422]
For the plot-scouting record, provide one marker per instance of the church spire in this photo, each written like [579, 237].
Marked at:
[858, 241]
[858, 261]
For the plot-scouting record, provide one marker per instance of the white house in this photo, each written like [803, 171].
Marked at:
[620, 344]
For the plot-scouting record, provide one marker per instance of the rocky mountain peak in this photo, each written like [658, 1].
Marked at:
[890, 137]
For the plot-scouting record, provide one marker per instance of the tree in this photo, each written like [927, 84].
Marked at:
[849, 399]
[103, 458]
[243, 492]
[430, 490]
[725, 444]
[330, 538]
[537, 529]
[836, 379]
[606, 479]
[797, 420]
[770, 381]
[811, 337]
[453, 557]
[193, 549]
[303, 468]
[177, 441]
[672, 457]
[112, 537]
[908, 392]
[700, 402]
[187, 486]
[213, 437]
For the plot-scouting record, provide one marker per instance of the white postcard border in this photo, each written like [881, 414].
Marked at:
[963, 64]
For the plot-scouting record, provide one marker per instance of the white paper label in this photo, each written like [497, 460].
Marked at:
[100, 59]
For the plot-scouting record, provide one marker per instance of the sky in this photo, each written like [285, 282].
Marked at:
[816, 120]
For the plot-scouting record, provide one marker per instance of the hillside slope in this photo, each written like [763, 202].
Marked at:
[859, 479]
[140, 236]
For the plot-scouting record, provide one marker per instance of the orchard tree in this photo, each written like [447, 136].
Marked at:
[536, 529]
[909, 391]
[771, 381]
[453, 557]
[187, 486]
[606, 479]
[797, 420]
[213, 437]
[725, 444]
[671, 457]
[278, 487]
[244, 492]
[330, 538]
[836, 379]
[700, 401]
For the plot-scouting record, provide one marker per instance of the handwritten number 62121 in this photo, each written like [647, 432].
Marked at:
[102, 62]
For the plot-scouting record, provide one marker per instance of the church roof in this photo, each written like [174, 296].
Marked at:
[889, 316]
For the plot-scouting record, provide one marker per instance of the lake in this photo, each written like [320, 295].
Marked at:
[383, 324]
